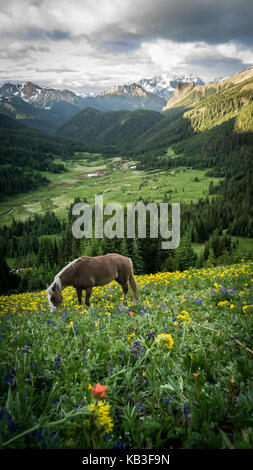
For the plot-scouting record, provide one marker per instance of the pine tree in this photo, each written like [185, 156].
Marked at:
[123, 247]
[136, 257]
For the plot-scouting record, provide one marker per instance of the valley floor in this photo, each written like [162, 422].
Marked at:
[113, 178]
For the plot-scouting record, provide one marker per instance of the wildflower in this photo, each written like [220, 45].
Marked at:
[140, 406]
[99, 391]
[9, 379]
[245, 308]
[198, 301]
[187, 412]
[57, 361]
[165, 339]
[101, 412]
[119, 445]
[64, 314]
[152, 335]
[131, 313]
[167, 400]
[130, 337]
[185, 316]
[136, 349]
[223, 303]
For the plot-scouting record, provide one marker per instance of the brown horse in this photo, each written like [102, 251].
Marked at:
[88, 272]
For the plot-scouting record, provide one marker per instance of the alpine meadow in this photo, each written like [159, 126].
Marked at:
[168, 364]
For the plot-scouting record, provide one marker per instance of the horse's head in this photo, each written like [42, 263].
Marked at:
[54, 297]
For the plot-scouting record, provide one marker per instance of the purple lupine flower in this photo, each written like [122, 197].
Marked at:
[57, 361]
[152, 335]
[187, 412]
[198, 301]
[167, 400]
[140, 406]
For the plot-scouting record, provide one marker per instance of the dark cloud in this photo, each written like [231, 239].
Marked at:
[212, 21]
[217, 66]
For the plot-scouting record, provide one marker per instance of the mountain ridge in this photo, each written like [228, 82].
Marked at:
[46, 108]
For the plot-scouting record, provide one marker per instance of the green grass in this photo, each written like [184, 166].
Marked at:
[119, 184]
[196, 394]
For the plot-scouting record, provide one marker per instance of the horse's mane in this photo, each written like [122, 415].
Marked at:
[57, 279]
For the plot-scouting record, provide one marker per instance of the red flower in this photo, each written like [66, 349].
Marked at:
[99, 391]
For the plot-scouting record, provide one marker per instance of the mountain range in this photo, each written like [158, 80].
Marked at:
[47, 108]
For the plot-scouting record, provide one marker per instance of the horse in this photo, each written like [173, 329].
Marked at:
[87, 272]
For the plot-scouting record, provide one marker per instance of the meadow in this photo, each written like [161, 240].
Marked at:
[116, 181]
[171, 370]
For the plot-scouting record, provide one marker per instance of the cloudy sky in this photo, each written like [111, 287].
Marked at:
[95, 44]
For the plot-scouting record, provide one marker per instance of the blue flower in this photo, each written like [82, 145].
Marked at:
[57, 362]
[9, 379]
[167, 400]
[120, 445]
[152, 335]
[140, 406]
[64, 314]
[187, 412]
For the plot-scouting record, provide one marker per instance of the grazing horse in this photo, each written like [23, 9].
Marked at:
[87, 272]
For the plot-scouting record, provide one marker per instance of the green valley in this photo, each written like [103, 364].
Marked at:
[114, 179]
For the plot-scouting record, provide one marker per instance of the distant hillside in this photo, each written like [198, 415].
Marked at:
[121, 128]
[25, 152]
[187, 95]
[212, 126]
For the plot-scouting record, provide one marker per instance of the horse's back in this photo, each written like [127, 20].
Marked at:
[100, 270]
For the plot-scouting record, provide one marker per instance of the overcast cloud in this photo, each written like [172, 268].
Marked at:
[94, 44]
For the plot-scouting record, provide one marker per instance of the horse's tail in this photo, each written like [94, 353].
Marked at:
[132, 281]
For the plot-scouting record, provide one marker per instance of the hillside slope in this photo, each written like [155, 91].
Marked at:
[213, 126]
[25, 152]
[121, 128]
[177, 365]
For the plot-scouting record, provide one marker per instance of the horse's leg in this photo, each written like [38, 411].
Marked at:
[88, 294]
[125, 290]
[79, 295]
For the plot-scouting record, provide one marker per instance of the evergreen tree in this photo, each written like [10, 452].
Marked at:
[8, 280]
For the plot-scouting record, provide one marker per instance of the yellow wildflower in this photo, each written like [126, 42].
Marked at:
[165, 339]
[101, 412]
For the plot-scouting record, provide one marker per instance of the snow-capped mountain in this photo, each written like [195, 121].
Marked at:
[165, 84]
[41, 97]
[130, 96]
